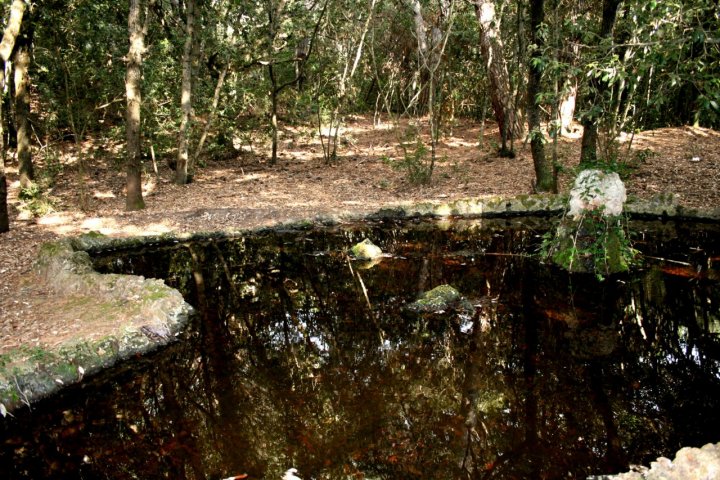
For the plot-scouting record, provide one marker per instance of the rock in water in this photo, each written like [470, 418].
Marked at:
[591, 238]
[366, 250]
[439, 299]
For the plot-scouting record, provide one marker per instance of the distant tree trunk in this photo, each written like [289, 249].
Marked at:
[181, 172]
[4, 216]
[6, 48]
[211, 116]
[274, 11]
[588, 151]
[273, 114]
[491, 49]
[567, 105]
[544, 169]
[133, 80]
[21, 64]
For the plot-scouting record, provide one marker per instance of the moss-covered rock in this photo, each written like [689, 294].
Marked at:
[439, 299]
[592, 244]
[366, 250]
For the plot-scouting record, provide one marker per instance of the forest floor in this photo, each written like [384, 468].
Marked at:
[242, 190]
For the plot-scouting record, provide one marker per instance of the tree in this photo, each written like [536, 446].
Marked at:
[349, 45]
[596, 90]
[492, 51]
[545, 177]
[279, 12]
[181, 172]
[6, 47]
[21, 65]
[133, 84]
[431, 46]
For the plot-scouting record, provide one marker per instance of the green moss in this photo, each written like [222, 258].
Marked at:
[442, 297]
[155, 292]
[53, 249]
[594, 244]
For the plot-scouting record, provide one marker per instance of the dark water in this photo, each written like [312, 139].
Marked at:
[302, 358]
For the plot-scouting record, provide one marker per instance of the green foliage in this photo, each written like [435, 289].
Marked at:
[414, 162]
[615, 160]
[36, 201]
[660, 67]
[595, 243]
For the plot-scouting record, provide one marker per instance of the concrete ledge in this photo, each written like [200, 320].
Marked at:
[138, 315]
[121, 316]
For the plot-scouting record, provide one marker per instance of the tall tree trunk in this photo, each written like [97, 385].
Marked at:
[22, 107]
[274, 12]
[181, 172]
[6, 47]
[491, 49]
[211, 116]
[4, 215]
[12, 29]
[597, 89]
[545, 177]
[567, 105]
[133, 80]
[273, 114]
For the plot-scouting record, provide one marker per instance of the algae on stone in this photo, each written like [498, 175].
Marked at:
[439, 299]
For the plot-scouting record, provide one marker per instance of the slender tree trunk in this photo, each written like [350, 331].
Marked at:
[4, 215]
[7, 45]
[567, 104]
[211, 117]
[544, 169]
[273, 114]
[491, 49]
[274, 11]
[181, 172]
[22, 108]
[597, 89]
[12, 30]
[133, 81]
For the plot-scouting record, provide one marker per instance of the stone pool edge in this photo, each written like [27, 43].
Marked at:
[160, 313]
[145, 315]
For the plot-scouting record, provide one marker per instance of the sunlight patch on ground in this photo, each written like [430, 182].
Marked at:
[105, 194]
[149, 185]
[77, 224]
[454, 142]
[254, 176]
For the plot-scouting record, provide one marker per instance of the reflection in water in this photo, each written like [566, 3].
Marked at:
[303, 359]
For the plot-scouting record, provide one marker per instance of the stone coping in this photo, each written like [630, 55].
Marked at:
[148, 314]
[135, 315]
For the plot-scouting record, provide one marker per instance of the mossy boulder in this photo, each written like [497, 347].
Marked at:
[591, 238]
[441, 299]
[366, 250]
[593, 244]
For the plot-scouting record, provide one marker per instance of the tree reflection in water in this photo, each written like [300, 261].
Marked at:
[301, 358]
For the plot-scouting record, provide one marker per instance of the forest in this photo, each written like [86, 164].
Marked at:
[175, 82]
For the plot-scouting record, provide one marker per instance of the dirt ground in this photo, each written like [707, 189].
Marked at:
[243, 190]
